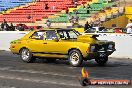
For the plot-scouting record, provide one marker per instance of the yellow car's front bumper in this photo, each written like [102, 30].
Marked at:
[14, 49]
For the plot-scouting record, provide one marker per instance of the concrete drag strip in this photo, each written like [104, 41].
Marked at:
[38, 81]
[36, 72]
[38, 77]
[6, 87]
[44, 73]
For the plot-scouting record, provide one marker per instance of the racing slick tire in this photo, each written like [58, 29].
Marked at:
[102, 60]
[75, 58]
[27, 56]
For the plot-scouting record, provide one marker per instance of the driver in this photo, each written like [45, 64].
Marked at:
[61, 35]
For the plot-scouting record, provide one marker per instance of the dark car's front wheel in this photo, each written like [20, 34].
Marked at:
[75, 58]
[102, 60]
[26, 55]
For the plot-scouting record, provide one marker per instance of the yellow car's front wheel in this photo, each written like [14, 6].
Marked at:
[75, 57]
[26, 55]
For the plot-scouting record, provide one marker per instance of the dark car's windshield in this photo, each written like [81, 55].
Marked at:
[68, 34]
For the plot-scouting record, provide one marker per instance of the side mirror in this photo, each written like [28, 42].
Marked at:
[56, 39]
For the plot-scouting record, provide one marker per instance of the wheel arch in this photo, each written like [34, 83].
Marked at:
[75, 49]
[22, 48]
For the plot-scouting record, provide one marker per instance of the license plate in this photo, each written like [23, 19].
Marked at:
[102, 54]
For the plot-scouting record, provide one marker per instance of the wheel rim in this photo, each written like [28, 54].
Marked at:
[25, 54]
[74, 58]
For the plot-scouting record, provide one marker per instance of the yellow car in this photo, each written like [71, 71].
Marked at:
[53, 44]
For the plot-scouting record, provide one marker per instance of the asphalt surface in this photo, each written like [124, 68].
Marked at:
[14, 73]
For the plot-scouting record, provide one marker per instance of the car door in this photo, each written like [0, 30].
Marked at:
[36, 42]
[52, 43]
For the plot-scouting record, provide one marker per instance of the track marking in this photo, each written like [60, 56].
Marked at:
[6, 87]
[36, 72]
[43, 73]
[39, 81]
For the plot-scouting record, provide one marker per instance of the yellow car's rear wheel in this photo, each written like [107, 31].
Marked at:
[26, 55]
[75, 58]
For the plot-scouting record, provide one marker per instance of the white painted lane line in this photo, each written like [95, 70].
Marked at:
[36, 72]
[6, 87]
[40, 81]
[47, 73]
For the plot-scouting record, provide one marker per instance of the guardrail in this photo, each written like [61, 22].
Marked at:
[123, 42]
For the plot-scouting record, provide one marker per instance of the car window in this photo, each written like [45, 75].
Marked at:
[72, 34]
[67, 34]
[51, 34]
[38, 35]
[62, 34]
